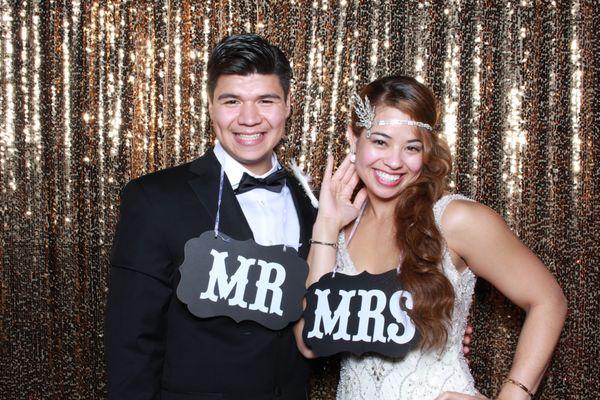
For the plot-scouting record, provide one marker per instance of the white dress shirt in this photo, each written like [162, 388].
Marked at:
[272, 216]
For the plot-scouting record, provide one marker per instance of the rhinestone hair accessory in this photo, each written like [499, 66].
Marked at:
[405, 122]
[364, 112]
[366, 116]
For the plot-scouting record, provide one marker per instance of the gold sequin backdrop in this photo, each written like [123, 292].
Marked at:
[94, 93]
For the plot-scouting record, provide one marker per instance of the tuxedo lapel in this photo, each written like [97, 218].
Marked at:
[306, 213]
[232, 221]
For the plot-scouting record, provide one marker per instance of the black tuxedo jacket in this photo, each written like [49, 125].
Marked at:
[155, 348]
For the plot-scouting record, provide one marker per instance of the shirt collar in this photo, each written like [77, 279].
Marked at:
[234, 169]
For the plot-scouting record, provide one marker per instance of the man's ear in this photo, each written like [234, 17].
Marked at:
[210, 108]
[351, 139]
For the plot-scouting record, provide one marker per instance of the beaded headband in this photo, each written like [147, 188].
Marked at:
[366, 116]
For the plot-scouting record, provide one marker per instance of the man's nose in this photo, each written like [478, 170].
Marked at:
[249, 114]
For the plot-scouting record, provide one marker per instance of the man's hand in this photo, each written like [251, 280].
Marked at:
[467, 340]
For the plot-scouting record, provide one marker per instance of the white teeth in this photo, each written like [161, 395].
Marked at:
[249, 137]
[387, 177]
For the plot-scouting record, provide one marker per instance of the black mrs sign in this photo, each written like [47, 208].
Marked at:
[359, 314]
[242, 280]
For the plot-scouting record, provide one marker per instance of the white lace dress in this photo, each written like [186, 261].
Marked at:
[420, 375]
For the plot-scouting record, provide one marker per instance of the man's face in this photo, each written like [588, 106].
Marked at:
[248, 114]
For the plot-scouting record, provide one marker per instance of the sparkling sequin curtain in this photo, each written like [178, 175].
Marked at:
[94, 93]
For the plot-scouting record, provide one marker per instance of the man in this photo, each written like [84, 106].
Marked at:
[155, 347]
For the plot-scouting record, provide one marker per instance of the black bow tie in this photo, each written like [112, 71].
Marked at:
[274, 182]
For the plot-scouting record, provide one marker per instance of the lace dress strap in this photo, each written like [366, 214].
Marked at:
[440, 206]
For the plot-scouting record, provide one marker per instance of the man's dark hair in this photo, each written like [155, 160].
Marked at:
[247, 54]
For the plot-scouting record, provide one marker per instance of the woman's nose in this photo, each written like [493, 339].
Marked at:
[394, 159]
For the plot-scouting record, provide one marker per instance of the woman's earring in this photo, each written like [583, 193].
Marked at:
[352, 157]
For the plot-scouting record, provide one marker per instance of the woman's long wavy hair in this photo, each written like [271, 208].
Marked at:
[417, 235]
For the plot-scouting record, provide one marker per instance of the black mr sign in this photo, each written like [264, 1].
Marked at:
[242, 280]
[359, 314]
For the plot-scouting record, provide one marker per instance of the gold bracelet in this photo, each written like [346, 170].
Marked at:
[334, 245]
[520, 385]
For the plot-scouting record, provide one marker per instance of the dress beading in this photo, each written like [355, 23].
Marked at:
[420, 375]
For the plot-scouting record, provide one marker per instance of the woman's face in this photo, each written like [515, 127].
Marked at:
[391, 157]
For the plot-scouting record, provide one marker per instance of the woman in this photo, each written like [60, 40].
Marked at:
[438, 242]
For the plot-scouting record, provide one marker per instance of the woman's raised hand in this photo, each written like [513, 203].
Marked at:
[335, 200]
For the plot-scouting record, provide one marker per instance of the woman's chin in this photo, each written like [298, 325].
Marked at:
[384, 194]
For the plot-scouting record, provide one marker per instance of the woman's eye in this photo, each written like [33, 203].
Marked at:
[379, 142]
[413, 149]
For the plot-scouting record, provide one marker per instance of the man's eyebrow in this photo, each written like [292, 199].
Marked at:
[262, 97]
[227, 96]
[270, 96]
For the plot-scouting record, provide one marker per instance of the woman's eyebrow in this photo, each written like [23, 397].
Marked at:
[381, 134]
[386, 136]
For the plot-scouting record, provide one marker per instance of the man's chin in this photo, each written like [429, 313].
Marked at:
[257, 164]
